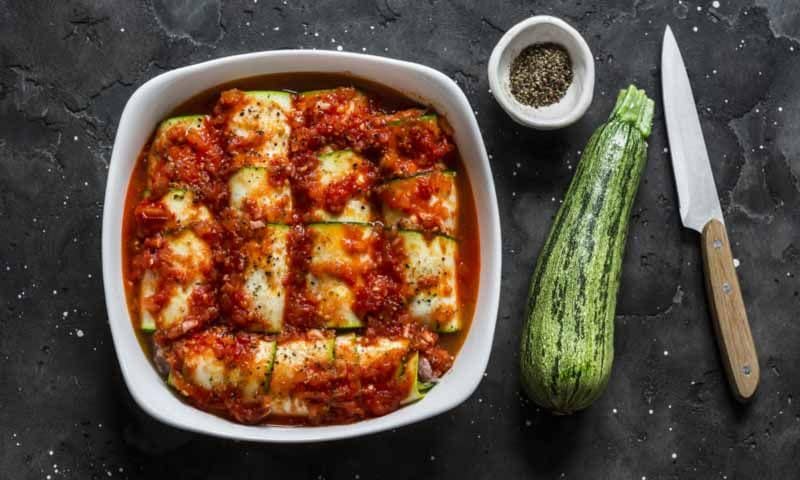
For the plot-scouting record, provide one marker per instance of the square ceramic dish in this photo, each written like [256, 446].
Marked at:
[155, 99]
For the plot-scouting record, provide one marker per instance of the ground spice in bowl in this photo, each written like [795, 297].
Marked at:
[541, 74]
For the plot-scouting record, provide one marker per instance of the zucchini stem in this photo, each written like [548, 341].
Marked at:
[633, 107]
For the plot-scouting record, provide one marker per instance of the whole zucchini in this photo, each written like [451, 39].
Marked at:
[568, 338]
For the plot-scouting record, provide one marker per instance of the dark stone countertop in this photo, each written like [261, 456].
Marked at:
[69, 67]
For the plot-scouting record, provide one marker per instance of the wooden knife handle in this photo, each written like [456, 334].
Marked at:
[727, 307]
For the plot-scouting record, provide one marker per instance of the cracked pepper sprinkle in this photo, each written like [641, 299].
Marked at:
[541, 74]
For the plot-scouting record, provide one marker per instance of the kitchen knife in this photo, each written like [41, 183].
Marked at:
[700, 210]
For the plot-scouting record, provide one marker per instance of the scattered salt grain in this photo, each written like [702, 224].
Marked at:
[715, 4]
[736, 262]
[666, 353]
[674, 455]
[79, 334]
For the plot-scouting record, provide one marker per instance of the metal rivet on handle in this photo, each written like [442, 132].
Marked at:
[717, 244]
[726, 287]
[746, 369]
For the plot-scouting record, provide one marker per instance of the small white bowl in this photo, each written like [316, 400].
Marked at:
[543, 29]
[151, 102]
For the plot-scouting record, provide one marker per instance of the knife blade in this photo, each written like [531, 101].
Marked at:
[697, 195]
[700, 210]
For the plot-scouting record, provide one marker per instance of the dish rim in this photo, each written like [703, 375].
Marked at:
[149, 391]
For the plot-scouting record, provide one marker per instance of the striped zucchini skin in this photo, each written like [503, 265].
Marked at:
[568, 338]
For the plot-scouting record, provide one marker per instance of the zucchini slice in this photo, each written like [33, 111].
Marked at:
[404, 126]
[408, 376]
[430, 274]
[258, 128]
[319, 101]
[375, 354]
[190, 258]
[218, 362]
[297, 361]
[427, 201]
[254, 194]
[340, 255]
[336, 167]
[169, 134]
[265, 277]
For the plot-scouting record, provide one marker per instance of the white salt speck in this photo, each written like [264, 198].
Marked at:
[614, 411]
[75, 138]
[694, 29]
[79, 334]
[527, 423]
[64, 314]
[699, 8]
[715, 4]
[666, 150]
[433, 458]
[333, 40]
[339, 48]
[674, 455]
[553, 199]
[247, 23]
[666, 353]
[50, 453]
[650, 411]
[788, 274]
[363, 49]
[670, 429]
[780, 109]
[316, 34]
[736, 262]
[372, 27]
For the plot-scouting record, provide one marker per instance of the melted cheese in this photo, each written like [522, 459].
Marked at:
[183, 208]
[252, 192]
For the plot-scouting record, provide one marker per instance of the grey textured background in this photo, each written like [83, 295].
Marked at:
[69, 67]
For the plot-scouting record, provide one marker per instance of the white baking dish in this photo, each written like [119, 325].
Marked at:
[155, 99]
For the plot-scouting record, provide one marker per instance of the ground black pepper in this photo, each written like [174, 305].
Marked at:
[541, 74]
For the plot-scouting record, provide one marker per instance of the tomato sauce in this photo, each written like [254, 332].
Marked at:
[398, 138]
